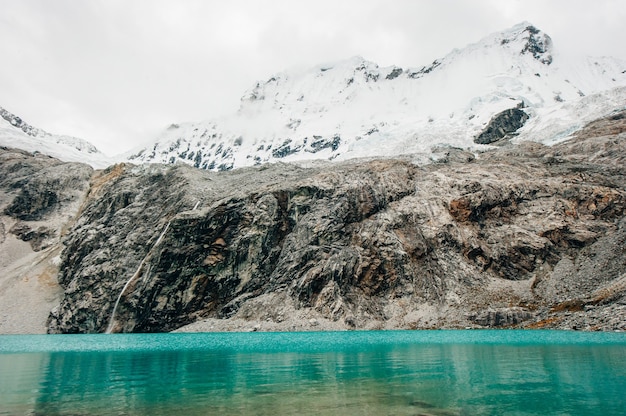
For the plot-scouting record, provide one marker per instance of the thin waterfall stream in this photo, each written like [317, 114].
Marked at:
[111, 324]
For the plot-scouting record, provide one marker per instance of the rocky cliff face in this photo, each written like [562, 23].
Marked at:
[501, 125]
[526, 235]
[39, 196]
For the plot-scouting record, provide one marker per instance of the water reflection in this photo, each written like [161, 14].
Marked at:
[385, 379]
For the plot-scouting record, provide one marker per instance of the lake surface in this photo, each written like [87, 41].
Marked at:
[323, 373]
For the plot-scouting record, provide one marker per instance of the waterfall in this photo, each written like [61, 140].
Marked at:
[137, 273]
[133, 277]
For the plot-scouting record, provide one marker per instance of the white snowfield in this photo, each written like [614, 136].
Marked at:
[355, 108]
[31, 139]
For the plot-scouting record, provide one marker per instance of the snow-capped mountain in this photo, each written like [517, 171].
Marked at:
[15, 132]
[355, 108]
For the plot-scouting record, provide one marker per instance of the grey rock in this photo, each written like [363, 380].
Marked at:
[506, 239]
[538, 44]
[39, 197]
[500, 317]
[358, 244]
[502, 125]
[41, 192]
[395, 73]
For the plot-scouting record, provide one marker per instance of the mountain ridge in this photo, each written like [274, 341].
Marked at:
[523, 236]
[390, 217]
[354, 108]
[526, 235]
[16, 133]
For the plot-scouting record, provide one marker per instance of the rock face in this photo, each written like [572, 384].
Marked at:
[527, 235]
[17, 122]
[538, 44]
[501, 125]
[39, 196]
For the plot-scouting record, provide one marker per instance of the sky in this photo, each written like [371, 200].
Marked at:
[117, 72]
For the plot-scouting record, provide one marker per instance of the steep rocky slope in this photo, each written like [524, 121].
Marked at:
[525, 235]
[39, 196]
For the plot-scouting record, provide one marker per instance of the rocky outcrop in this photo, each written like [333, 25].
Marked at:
[39, 197]
[39, 194]
[520, 236]
[299, 233]
[538, 44]
[18, 123]
[501, 125]
[500, 317]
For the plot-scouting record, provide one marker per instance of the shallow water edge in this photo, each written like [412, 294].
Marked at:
[484, 372]
[296, 341]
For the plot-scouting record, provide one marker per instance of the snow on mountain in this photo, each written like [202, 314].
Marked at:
[355, 108]
[14, 132]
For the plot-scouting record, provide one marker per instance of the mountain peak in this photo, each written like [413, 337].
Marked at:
[538, 44]
[355, 108]
[289, 87]
[530, 40]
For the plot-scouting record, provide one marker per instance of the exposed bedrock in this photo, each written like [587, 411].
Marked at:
[502, 125]
[39, 197]
[506, 239]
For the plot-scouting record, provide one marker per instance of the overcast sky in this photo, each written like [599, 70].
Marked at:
[116, 72]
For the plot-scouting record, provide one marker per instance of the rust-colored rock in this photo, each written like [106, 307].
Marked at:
[460, 209]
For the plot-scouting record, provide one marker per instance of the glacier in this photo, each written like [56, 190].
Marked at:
[356, 109]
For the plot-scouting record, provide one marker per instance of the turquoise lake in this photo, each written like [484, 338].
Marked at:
[320, 373]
